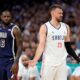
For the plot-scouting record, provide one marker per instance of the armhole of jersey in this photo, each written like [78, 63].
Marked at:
[46, 35]
[66, 28]
[12, 31]
[46, 30]
[13, 46]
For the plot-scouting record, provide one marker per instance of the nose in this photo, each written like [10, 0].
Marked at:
[6, 17]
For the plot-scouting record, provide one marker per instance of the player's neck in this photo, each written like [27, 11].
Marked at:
[55, 23]
[26, 67]
[5, 25]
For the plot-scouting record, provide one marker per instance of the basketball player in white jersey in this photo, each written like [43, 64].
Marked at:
[54, 43]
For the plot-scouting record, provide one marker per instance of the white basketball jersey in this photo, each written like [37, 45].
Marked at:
[55, 52]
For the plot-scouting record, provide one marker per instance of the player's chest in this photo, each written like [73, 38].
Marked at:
[5, 33]
[56, 34]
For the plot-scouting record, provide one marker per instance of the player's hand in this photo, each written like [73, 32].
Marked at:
[32, 63]
[14, 77]
[29, 63]
[14, 68]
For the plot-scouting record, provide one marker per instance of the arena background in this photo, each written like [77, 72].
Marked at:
[30, 14]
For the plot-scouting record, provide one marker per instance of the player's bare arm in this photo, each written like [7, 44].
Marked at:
[41, 45]
[17, 34]
[42, 40]
[67, 38]
[68, 45]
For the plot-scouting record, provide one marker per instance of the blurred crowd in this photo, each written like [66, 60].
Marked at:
[29, 18]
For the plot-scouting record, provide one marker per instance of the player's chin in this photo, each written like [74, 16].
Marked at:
[60, 19]
[25, 64]
[6, 22]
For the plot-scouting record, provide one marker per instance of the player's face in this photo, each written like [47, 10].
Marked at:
[24, 59]
[58, 14]
[6, 17]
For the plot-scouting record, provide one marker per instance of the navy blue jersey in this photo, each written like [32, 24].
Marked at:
[7, 40]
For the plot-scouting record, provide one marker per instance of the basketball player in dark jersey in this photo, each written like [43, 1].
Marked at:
[9, 34]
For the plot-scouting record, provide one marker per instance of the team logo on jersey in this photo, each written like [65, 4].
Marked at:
[3, 35]
[58, 37]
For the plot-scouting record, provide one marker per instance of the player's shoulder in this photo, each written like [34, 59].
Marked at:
[47, 22]
[15, 28]
[43, 27]
[65, 25]
[13, 25]
[44, 24]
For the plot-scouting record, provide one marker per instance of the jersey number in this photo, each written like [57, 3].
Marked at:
[59, 45]
[2, 43]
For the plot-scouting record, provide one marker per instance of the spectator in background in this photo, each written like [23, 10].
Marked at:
[25, 72]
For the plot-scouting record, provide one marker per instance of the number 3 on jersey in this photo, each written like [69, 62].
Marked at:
[2, 43]
[59, 45]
